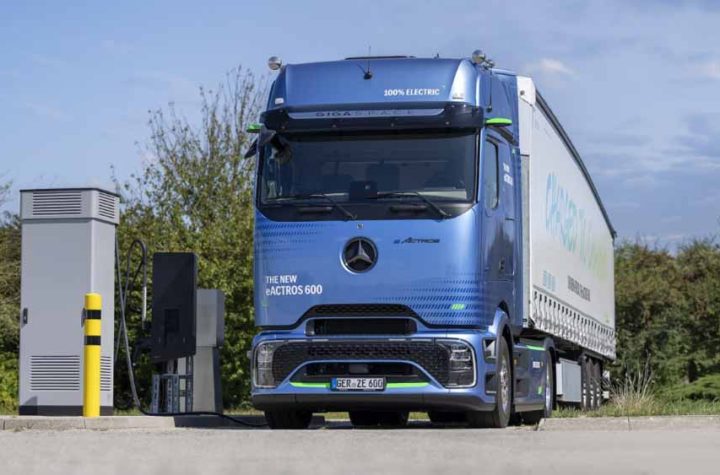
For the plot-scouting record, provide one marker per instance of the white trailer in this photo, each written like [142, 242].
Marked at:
[568, 245]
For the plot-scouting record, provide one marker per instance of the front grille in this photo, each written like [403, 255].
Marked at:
[361, 326]
[430, 356]
[392, 372]
[360, 310]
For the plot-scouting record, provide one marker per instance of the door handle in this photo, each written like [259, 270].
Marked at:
[24, 316]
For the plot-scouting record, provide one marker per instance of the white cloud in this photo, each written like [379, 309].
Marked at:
[550, 66]
[48, 61]
[707, 70]
[47, 111]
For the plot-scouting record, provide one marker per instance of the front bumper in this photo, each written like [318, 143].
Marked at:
[432, 395]
[333, 401]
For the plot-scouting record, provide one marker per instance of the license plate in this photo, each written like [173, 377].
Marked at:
[357, 384]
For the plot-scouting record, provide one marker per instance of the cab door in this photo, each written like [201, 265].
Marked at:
[491, 223]
[506, 179]
[499, 218]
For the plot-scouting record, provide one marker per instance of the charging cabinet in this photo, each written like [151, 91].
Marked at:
[68, 250]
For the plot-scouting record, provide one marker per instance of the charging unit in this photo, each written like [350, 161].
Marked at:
[210, 332]
[68, 250]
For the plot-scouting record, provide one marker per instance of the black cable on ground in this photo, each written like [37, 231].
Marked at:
[122, 333]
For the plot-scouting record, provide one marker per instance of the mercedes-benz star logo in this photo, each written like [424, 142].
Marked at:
[360, 254]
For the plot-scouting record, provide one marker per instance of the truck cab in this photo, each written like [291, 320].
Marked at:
[389, 247]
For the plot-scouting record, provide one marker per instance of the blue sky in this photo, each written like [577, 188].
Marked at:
[635, 83]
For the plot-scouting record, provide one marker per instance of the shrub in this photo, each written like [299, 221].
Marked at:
[706, 388]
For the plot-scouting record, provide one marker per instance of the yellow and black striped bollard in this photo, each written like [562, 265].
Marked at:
[91, 376]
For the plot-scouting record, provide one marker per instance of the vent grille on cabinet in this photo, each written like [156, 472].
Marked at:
[106, 371]
[107, 206]
[53, 203]
[55, 373]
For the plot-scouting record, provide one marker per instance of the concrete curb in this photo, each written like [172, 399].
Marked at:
[16, 423]
[661, 423]
[97, 423]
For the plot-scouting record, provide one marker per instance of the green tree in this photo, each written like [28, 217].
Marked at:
[9, 304]
[651, 311]
[699, 264]
[195, 194]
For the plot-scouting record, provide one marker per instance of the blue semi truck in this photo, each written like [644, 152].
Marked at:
[427, 238]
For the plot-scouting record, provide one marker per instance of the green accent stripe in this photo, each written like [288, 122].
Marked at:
[253, 128]
[407, 385]
[498, 121]
[309, 385]
[297, 384]
[535, 348]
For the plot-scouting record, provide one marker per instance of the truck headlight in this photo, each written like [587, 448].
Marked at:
[263, 363]
[461, 364]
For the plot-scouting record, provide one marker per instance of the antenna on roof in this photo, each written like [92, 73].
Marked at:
[368, 74]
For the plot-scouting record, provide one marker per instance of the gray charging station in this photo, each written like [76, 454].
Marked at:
[68, 250]
[210, 328]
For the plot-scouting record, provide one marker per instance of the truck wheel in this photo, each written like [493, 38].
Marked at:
[500, 415]
[597, 383]
[287, 419]
[442, 417]
[364, 418]
[394, 419]
[585, 384]
[534, 417]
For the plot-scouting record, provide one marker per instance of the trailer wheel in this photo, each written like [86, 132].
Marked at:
[288, 419]
[597, 384]
[499, 416]
[533, 417]
[586, 376]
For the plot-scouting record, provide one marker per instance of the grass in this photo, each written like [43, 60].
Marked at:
[653, 407]
[634, 397]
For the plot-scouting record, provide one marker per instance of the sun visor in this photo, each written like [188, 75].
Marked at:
[381, 116]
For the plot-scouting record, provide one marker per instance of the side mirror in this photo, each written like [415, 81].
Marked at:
[252, 150]
[498, 122]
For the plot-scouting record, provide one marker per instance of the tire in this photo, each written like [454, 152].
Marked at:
[364, 418]
[534, 417]
[288, 419]
[394, 419]
[442, 417]
[585, 384]
[499, 416]
[597, 384]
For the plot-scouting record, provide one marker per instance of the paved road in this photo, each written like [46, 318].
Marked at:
[342, 450]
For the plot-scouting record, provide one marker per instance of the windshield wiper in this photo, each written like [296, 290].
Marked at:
[337, 205]
[425, 199]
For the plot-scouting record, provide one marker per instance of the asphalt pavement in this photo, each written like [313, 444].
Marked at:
[665, 445]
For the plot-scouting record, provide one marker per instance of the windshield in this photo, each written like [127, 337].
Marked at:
[355, 167]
